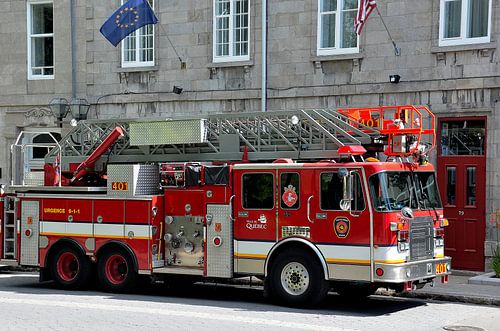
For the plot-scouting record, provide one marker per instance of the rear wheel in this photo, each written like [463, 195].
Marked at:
[70, 269]
[116, 271]
[297, 279]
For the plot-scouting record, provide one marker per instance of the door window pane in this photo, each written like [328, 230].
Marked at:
[290, 190]
[471, 186]
[462, 138]
[451, 180]
[332, 192]
[258, 191]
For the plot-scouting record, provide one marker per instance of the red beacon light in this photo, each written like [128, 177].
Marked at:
[350, 150]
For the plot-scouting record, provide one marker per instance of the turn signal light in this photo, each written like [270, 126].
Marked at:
[445, 222]
[397, 226]
[379, 272]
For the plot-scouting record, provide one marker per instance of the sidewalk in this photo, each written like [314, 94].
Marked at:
[460, 289]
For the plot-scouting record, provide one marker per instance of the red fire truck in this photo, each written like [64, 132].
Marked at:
[299, 199]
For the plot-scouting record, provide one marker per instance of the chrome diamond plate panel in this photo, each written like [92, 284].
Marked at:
[29, 224]
[219, 259]
[168, 132]
[141, 179]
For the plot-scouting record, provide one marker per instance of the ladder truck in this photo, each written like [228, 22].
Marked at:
[299, 199]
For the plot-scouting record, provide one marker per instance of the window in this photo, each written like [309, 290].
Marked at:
[138, 47]
[231, 30]
[464, 22]
[332, 192]
[290, 190]
[40, 40]
[258, 191]
[336, 34]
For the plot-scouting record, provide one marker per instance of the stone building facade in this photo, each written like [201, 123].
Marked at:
[448, 60]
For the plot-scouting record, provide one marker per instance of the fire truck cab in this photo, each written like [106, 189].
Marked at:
[288, 197]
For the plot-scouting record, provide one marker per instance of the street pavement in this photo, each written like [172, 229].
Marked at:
[26, 304]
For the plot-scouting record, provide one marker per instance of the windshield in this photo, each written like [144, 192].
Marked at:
[428, 196]
[391, 191]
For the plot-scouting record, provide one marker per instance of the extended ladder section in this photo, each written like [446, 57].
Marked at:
[300, 135]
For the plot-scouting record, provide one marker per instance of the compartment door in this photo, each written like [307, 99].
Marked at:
[30, 211]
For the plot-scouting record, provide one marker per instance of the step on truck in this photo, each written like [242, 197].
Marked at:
[307, 201]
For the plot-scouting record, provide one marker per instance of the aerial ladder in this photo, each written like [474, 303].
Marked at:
[314, 134]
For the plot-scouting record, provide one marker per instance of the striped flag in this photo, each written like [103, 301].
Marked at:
[365, 9]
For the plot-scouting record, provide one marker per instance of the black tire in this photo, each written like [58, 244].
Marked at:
[71, 270]
[116, 272]
[354, 291]
[297, 279]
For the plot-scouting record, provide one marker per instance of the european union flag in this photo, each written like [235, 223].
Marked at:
[133, 15]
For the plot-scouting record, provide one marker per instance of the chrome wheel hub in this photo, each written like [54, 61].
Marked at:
[295, 278]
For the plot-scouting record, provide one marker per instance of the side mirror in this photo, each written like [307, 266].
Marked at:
[346, 176]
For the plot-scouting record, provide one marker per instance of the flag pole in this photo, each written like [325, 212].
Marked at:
[397, 50]
[183, 64]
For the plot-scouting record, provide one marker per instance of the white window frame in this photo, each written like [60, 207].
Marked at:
[338, 29]
[138, 63]
[462, 39]
[29, 6]
[230, 57]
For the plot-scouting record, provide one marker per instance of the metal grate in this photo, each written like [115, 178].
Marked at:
[303, 231]
[421, 238]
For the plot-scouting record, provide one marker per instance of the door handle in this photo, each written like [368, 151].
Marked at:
[231, 213]
[309, 209]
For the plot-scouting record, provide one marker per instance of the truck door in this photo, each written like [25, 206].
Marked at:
[255, 205]
[336, 224]
[295, 190]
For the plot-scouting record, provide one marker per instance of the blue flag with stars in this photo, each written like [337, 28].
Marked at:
[133, 15]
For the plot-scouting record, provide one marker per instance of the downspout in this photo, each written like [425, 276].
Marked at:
[72, 10]
[264, 57]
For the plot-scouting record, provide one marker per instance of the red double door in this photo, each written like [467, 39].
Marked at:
[462, 182]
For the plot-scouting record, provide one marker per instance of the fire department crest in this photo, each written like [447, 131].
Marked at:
[341, 225]
[289, 196]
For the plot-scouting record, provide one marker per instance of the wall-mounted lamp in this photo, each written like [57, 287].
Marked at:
[78, 107]
[394, 79]
[59, 107]
[177, 89]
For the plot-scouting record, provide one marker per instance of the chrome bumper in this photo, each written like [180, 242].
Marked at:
[411, 271]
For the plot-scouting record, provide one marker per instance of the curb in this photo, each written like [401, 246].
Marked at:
[485, 279]
[451, 298]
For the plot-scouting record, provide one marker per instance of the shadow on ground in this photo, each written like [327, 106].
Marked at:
[240, 297]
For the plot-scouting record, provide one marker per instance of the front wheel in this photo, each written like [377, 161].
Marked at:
[297, 279]
[70, 269]
[116, 271]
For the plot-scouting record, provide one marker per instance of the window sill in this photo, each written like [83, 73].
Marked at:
[354, 57]
[336, 57]
[215, 65]
[460, 48]
[137, 69]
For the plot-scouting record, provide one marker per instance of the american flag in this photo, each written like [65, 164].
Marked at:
[365, 9]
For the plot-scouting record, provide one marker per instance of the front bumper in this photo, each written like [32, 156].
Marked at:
[413, 271]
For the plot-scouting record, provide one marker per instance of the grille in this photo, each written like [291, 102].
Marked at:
[421, 238]
[303, 231]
